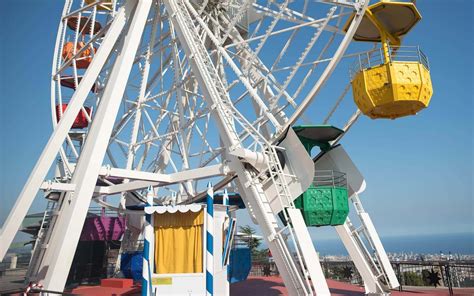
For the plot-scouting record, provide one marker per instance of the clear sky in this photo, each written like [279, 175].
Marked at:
[419, 169]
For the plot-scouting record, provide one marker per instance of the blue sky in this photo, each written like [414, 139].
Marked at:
[419, 169]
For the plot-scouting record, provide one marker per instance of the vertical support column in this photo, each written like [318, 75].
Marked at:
[215, 94]
[357, 255]
[382, 257]
[210, 240]
[225, 202]
[310, 256]
[50, 151]
[59, 255]
[147, 288]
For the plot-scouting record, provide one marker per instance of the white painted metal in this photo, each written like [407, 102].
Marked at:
[338, 159]
[51, 149]
[358, 256]
[186, 31]
[298, 172]
[210, 71]
[380, 251]
[210, 85]
[360, 8]
[59, 255]
[43, 235]
[370, 260]
[311, 258]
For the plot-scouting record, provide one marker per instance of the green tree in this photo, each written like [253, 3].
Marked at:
[260, 255]
[253, 242]
[412, 278]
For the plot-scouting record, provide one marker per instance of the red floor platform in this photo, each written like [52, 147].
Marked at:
[109, 291]
[273, 286]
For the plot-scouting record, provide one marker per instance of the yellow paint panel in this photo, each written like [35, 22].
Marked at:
[392, 90]
[161, 281]
[178, 242]
[106, 5]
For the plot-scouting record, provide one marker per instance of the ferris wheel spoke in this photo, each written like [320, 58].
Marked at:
[160, 73]
[337, 103]
[255, 69]
[205, 145]
[319, 58]
[123, 122]
[77, 11]
[343, 3]
[164, 159]
[304, 54]
[215, 152]
[165, 122]
[271, 27]
[246, 83]
[72, 146]
[141, 96]
[330, 67]
[293, 16]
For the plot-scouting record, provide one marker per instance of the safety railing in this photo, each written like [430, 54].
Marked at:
[376, 57]
[329, 178]
[100, 211]
[450, 275]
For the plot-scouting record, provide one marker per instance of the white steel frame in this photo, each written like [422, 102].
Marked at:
[204, 68]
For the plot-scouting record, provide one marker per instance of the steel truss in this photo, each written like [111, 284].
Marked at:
[165, 76]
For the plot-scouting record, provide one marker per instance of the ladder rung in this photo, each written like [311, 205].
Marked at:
[358, 229]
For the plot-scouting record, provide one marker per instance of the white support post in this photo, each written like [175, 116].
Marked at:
[311, 258]
[380, 251]
[45, 161]
[371, 261]
[210, 240]
[253, 194]
[63, 244]
[361, 262]
[148, 263]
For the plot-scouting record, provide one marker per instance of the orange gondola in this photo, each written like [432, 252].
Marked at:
[83, 60]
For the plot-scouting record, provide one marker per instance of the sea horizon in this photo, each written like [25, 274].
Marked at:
[456, 243]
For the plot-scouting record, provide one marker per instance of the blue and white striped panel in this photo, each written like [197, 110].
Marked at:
[210, 240]
[147, 288]
[226, 202]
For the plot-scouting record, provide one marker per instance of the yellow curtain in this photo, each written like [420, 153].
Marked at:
[178, 242]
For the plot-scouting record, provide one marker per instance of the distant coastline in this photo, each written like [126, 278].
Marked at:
[458, 243]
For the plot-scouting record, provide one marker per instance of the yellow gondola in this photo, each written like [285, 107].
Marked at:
[393, 81]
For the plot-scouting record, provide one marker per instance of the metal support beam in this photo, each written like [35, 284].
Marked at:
[252, 190]
[370, 260]
[59, 255]
[360, 7]
[361, 262]
[311, 257]
[193, 174]
[45, 161]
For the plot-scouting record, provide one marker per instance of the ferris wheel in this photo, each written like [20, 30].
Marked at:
[270, 60]
[175, 94]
